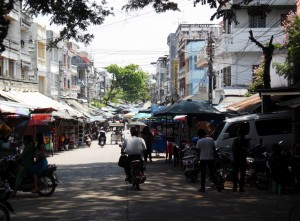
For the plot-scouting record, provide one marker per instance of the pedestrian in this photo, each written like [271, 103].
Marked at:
[206, 146]
[138, 129]
[148, 138]
[27, 158]
[40, 162]
[240, 151]
[134, 147]
[61, 142]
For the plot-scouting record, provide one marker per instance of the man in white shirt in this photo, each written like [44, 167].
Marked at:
[206, 146]
[134, 147]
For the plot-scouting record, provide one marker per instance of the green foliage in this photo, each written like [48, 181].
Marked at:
[258, 80]
[292, 30]
[128, 83]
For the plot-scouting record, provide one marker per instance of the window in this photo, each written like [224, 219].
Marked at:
[273, 126]
[1, 66]
[11, 68]
[233, 129]
[227, 76]
[257, 22]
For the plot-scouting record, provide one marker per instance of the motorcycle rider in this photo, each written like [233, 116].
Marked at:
[134, 147]
[27, 158]
[102, 134]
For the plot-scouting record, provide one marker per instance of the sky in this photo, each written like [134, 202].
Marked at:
[139, 37]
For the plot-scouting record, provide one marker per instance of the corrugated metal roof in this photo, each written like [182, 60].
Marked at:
[246, 105]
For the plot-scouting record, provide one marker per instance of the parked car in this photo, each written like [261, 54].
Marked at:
[265, 129]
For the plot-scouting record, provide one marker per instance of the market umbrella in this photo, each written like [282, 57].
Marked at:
[202, 111]
[142, 116]
[189, 107]
[139, 123]
[31, 127]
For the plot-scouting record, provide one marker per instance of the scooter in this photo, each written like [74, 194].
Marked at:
[137, 174]
[5, 207]
[47, 179]
[190, 163]
[137, 168]
[102, 141]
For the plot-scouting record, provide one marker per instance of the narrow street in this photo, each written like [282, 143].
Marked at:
[92, 187]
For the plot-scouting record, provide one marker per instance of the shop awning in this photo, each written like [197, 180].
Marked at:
[32, 98]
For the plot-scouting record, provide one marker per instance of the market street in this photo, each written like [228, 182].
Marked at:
[92, 187]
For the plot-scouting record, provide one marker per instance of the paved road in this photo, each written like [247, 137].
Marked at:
[92, 188]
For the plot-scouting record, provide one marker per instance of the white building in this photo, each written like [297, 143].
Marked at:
[236, 56]
[16, 71]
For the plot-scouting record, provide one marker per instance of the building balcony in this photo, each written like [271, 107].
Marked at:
[14, 14]
[233, 43]
[25, 22]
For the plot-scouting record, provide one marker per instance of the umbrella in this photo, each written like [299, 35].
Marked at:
[139, 123]
[142, 116]
[31, 127]
[189, 107]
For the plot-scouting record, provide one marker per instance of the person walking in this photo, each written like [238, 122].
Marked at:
[148, 138]
[240, 151]
[134, 147]
[206, 146]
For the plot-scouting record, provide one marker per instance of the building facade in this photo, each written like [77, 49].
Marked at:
[236, 57]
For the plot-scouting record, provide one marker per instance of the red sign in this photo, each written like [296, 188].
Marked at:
[43, 117]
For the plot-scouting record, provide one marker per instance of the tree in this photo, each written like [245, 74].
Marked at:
[292, 30]
[128, 83]
[268, 55]
[75, 16]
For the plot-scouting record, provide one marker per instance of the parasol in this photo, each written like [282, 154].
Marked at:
[32, 126]
[137, 123]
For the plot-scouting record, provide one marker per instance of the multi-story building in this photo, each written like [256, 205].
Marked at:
[38, 45]
[190, 39]
[161, 89]
[236, 56]
[53, 59]
[16, 71]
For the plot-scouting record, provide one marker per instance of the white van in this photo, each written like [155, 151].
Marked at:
[266, 129]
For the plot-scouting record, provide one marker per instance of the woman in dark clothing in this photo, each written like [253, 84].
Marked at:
[148, 137]
[240, 151]
[40, 162]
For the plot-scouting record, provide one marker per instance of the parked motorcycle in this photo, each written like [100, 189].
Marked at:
[223, 164]
[47, 180]
[258, 173]
[190, 163]
[5, 207]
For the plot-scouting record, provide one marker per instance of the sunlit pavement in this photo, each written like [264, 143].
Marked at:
[92, 187]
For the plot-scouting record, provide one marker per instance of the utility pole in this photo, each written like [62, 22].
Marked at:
[210, 54]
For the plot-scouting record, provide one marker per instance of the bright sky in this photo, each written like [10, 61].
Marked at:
[140, 37]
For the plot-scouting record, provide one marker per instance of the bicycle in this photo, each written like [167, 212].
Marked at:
[294, 214]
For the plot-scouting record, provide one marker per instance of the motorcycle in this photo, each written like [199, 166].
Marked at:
[137, 168]
[257, 172]
[190, 163]
[223, 164]
[102, 141]
[87, 140]
[47, 179]
[137, 174]
[5, 207]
